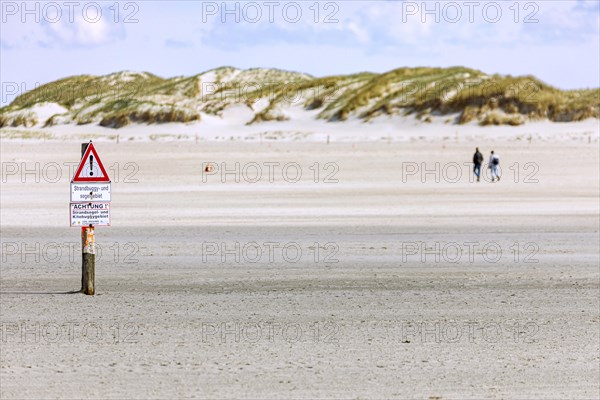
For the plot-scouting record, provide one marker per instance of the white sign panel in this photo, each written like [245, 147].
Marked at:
[83, 214]
[99, 192]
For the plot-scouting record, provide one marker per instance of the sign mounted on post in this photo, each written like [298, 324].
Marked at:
[84, 214]
[90, 192]
[89, 207]
[90, 168]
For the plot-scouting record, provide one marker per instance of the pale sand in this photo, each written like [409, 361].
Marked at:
[169, 307]
[304, 126]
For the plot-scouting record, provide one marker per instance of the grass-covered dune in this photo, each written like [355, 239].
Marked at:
[463, 95]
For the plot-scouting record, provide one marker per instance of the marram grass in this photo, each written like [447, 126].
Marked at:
[123, 98]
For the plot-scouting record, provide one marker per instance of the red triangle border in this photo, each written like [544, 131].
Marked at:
[77, 178]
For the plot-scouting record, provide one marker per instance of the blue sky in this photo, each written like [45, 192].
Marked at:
[557, 41]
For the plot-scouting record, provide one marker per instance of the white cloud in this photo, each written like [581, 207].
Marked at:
[360, 33]
[81, 32]
[68, 29]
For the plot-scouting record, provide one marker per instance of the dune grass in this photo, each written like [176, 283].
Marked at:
[122, 98]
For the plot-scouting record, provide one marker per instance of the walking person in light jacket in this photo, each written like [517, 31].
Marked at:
[494, 165]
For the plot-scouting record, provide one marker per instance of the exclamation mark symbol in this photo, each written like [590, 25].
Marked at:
[91, 165]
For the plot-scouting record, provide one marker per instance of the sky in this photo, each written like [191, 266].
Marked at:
[556, 41]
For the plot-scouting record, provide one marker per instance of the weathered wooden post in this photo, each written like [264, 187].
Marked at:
[90, 205]
[88, 260]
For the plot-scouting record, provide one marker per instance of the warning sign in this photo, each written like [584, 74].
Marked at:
[83, 214]
[90, 168]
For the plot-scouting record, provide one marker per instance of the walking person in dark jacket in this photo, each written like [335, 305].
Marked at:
[477, 161]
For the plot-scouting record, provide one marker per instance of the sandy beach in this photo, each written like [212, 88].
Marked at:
[290, 209]
[349, 270]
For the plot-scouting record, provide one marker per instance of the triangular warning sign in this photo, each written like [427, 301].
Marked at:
[90, 168]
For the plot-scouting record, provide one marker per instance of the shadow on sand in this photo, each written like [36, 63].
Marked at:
[21, 292]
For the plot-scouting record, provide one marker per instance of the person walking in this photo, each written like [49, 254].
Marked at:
[494, 165]
[477, 161]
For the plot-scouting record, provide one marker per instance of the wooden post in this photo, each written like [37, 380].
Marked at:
[88, 260]
[88, 252]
